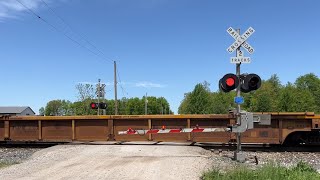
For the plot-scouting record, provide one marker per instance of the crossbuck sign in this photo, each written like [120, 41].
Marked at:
[240, 41]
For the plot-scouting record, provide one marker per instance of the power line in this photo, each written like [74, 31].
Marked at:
[66, 24]
[58, 30]
[70, 38]
[122, 89]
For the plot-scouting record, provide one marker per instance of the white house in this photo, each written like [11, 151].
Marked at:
[16, 111]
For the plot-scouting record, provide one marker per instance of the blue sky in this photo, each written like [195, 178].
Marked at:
[162, 47]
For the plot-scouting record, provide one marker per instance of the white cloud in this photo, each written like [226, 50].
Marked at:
[149, 85]
[143, 84]
[94, 83]
[11, 8]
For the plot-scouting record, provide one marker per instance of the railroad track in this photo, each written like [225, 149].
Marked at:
[252, 147]
[261, 147]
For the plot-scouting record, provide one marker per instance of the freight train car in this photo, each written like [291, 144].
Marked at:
[285, 128]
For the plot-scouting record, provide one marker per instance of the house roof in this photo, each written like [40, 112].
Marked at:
[13, 109]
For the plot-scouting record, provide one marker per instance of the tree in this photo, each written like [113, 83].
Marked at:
[58, 108]
[135, 106]
[293, 99]
[265, 99]
[41, 111]
[164, 105]
[183, 105]
[82, 108]
[275, 82]
[311, 83]
[199, 101]
[223, 102]
[85, 91]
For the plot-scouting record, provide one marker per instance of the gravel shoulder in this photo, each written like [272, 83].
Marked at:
[139, 162]
[10, 156]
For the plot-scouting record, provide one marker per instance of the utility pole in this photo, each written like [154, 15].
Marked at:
[146, 104]
[238, 155]
[238, 54]
[115, 89]
[98, 90]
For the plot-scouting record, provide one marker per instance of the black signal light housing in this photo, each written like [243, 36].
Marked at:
[250, 82]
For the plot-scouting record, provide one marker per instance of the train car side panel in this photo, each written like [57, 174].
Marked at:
[57, 130]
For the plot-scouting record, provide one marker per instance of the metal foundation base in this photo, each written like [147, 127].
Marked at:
[239, 156]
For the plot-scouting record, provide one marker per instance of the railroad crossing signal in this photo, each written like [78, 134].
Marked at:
[240, 40]
[101, 105]
[100, 90]
[247, 83]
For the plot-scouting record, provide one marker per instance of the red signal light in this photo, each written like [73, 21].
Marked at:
[94, 105]
[230, 81]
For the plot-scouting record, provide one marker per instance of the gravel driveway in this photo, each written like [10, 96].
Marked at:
[112, 162]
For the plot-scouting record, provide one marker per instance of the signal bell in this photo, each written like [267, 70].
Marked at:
[229, 82]
[251, 82]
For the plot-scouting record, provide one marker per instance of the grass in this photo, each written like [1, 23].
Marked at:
[302, 171]
[3, 164]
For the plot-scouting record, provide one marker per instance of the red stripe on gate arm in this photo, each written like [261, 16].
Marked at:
[175, 131]
[131, 132]
[152, 131]
[197, 130]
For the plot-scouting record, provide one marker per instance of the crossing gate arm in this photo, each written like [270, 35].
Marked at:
[167, 131]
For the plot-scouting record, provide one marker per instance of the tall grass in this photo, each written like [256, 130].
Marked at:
[2, 164]
[302, 171]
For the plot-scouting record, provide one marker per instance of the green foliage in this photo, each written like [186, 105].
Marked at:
[199, 101]
[264, 99]
[136, 106]
[132, 106]
[311, 83]
[58, 108]
[82, 108]
[41, 111]
[304, 167]
[303, 95]
[86, 94]
[293, 99]
[302, 171]
[222, 102]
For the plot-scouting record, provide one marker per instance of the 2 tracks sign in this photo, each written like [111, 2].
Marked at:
[240, 41]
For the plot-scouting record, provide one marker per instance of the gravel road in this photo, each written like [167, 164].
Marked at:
[133, 161]
[112, 162]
